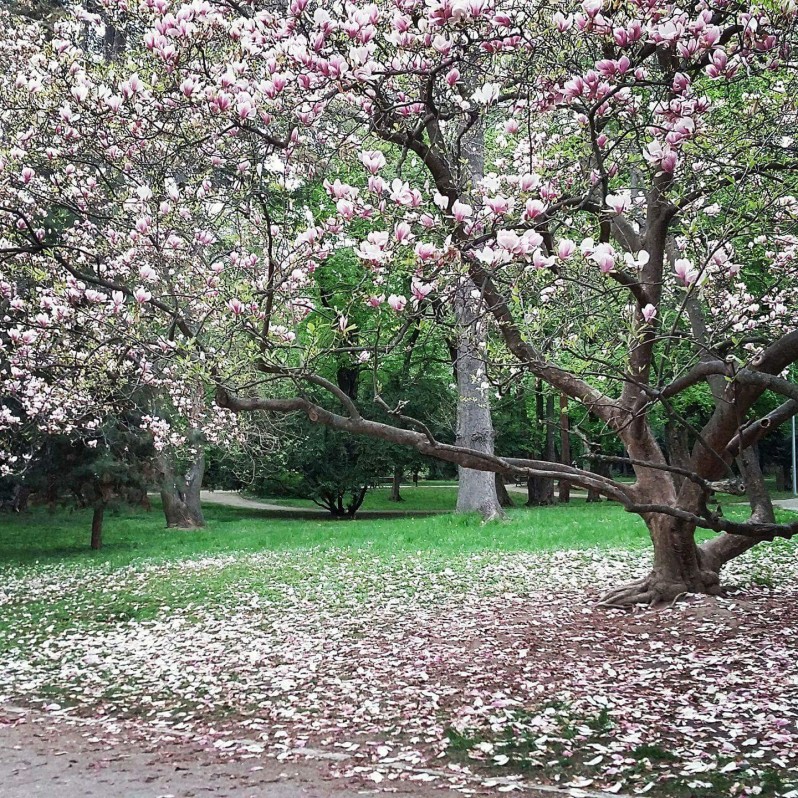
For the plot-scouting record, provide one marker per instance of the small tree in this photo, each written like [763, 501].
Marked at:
[333, 469]
[113, 468]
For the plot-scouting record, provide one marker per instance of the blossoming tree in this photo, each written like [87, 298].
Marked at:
[628, 236]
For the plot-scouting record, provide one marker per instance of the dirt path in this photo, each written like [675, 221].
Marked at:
[47, 759]
[41, 757]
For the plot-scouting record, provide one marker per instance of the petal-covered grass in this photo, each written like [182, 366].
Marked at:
[438, 643]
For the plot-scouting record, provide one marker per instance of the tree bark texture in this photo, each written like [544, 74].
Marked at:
[476, 489]
[565, 448]
[181, 494]
[396, 484]
[540, 490]
[501, 492]
[97, 526]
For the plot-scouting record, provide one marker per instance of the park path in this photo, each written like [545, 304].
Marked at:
[42, 757]
[231, 498]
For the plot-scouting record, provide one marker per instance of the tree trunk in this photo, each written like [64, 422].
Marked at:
[781, 477]
[679, 567]
[593, 496]
[19, 501]
[476, 489]
[97, 526]
[565, 448]
[755, 488]
[356, 501]
[540, 490]
[181, 495]
[396, 484]
[717, 552]
[678, 448]
[501, 492]
[601, 468]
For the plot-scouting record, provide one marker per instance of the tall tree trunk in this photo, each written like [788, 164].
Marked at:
[540, 490]
[476, 489]
[97, 525]
[565, 448]
[396, 484]
[180, 495]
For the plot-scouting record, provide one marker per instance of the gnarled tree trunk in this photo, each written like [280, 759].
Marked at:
[180, 494]
[679, 566]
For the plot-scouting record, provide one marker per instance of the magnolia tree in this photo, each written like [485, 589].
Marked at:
[610, 184]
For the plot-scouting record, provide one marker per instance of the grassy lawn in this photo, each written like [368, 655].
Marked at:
[132, 534]
[39, 536]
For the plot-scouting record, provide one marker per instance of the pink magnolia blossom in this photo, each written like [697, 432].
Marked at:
[498, 205]
[685, 271]
[236, 306]
[420, 289]
[534, 208]
[461, 211]
[565, 249]
[541, 261]
[345, 208]
[397, 303]
[603, 255]
[403, 233]
[648, 313]
[453, 76]
[141, 295]
[425, 251]
[619, 203]
[373, 160]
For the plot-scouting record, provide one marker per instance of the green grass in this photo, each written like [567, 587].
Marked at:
[424, 498]
[131, 534]
[134, 534]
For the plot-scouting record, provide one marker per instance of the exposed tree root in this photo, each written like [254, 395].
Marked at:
[657, 590]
